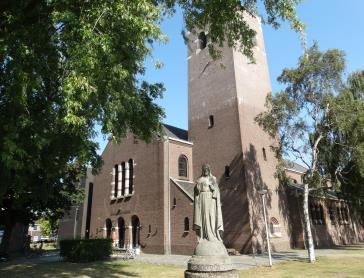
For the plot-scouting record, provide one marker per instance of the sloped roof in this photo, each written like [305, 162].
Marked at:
[291, 165]
[186, 186]
[175, 132]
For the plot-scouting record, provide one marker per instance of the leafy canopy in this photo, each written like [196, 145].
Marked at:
[319, 120]
[298, 115]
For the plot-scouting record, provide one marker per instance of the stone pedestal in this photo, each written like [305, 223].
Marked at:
[217, 274]
[210, 260]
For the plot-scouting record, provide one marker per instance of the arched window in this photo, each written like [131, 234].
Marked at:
[275, 228]
[345, 215]
[202, 40]
[116, 179]
[182, 166]
[135, 231]
[321, 214]
[123, 178]
[332, 214]
[187, 224]
[121, 226]
[108, 227]
[313, 213]
[131, 175]
[339, 215]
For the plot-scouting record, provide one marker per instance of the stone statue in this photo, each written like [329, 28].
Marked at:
[210, 258]
[207, 217]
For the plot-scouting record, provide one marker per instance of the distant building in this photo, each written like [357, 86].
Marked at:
[34, 232]
[76, 222]
[332, 220]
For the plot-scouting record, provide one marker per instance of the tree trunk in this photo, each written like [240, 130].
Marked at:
[308, 233]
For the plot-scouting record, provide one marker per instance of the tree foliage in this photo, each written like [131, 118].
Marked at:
[48, 227]
[67, 66]
[298, 115]
[301, 117]
[342, 158]
[319, 120]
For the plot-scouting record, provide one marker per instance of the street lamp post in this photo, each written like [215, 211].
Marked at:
[262, 193]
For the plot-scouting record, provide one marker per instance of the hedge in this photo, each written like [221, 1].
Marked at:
[85, 250]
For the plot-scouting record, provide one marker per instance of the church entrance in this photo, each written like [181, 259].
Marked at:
[135, 231]
[121, 226]
[108, 228]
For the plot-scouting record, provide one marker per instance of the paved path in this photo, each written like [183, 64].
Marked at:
[247, 261]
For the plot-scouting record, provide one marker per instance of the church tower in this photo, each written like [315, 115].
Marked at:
[224, 97]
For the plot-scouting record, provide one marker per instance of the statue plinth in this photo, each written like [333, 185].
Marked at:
[210, 259]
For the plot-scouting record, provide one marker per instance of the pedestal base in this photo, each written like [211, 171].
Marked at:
[209, 264]
[210, 259]
[216, 274]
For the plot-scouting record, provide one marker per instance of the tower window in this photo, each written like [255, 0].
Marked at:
[187, 224]
[150, 229]
[182, 166]
[174, 202]
[264, 154]
[211, 121]
[227, 171]
[202, 40]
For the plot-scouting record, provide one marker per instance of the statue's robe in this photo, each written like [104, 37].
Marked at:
[207, 217]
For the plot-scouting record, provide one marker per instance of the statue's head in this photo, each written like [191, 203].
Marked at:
[206, 171]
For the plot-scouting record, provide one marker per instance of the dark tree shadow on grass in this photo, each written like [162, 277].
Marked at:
[66, 269]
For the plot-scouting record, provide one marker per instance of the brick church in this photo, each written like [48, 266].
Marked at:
[143, 196]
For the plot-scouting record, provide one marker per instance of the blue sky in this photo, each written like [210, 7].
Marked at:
[333, 23]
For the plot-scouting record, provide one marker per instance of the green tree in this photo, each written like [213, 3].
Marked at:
[299, 116]
[67, 66]
[48, 227]
[342, 149]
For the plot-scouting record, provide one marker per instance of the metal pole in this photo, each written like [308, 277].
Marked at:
[266, 230]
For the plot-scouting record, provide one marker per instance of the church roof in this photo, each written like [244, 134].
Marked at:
[175, 132]
[291, 165]
[186, 186]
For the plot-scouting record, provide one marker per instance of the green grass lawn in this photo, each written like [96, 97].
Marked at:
[324, 267]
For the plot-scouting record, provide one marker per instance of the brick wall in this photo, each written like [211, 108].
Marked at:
[182, 242]
[147, 201]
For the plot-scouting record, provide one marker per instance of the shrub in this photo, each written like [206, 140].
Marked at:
[85, 250]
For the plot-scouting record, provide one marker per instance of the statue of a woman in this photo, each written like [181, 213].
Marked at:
[207, 218]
